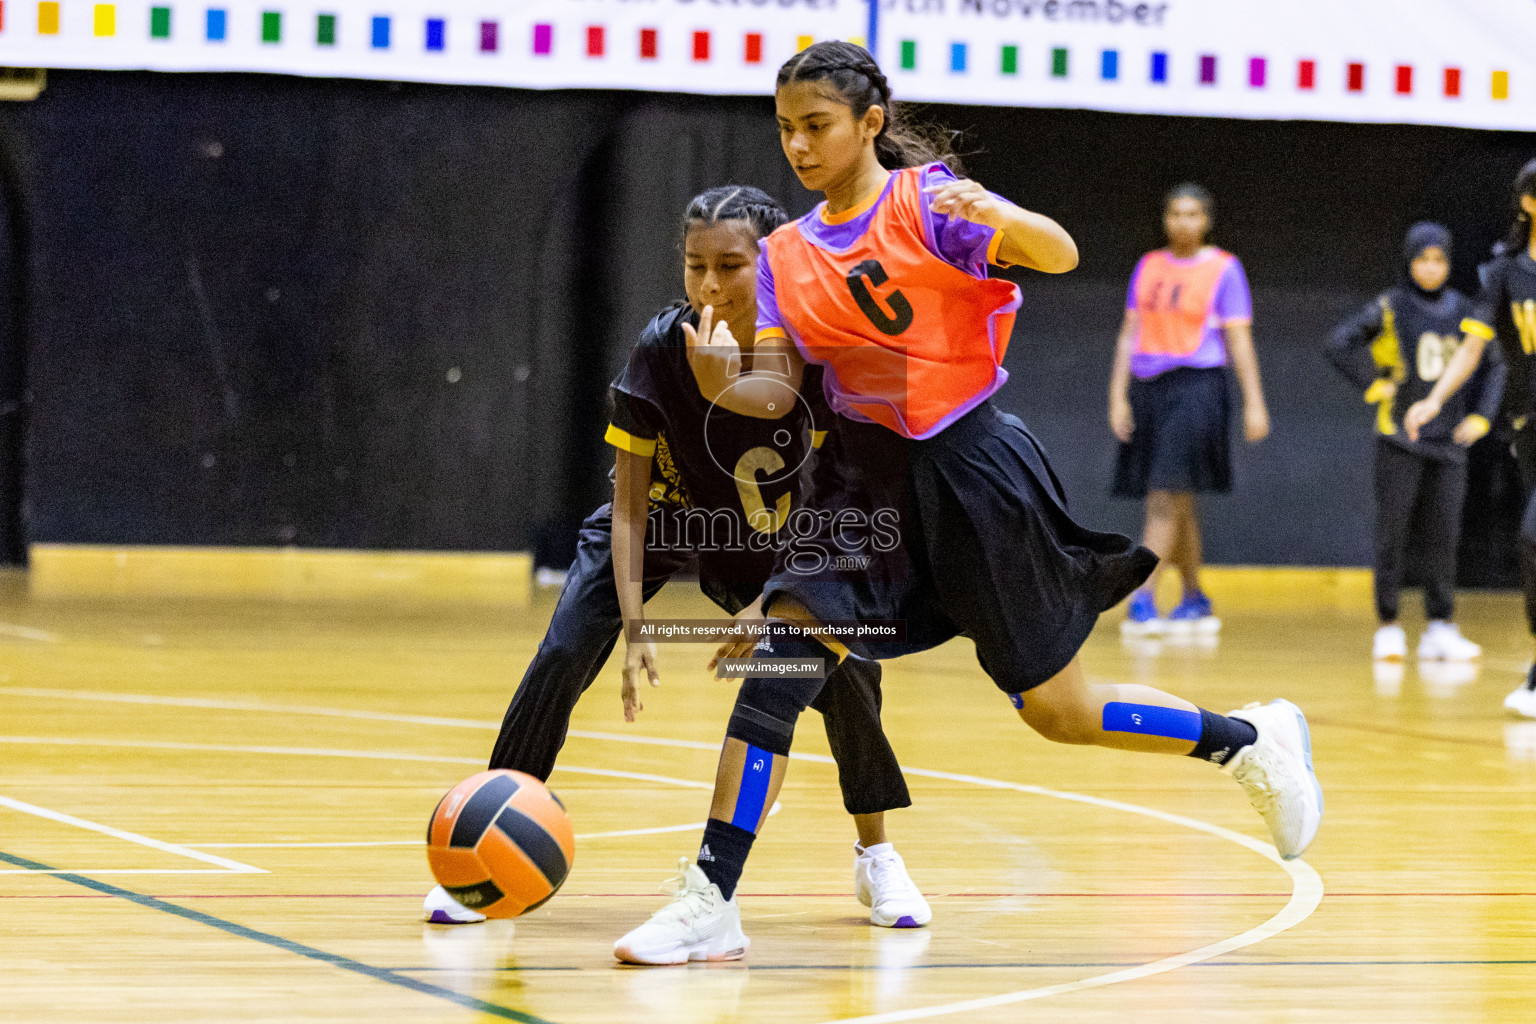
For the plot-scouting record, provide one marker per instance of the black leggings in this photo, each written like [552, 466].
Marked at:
[1415, 489]
[582, 634]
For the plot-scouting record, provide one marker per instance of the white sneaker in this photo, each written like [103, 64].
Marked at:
[1276, 773]
[441, 908]
[699, 924]
[1522, 702]
[1391, 644]
[881, 882]
[1442, 641]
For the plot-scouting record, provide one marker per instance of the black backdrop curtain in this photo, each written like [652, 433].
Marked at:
[244, 309]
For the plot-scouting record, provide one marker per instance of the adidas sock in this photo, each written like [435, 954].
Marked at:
[723, 854]
[1221, 737]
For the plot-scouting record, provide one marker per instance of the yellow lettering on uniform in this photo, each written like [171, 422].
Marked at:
[759, 515]
[1524, 314]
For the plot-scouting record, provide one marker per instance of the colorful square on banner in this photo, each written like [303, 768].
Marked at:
[701, 46]
[1109, 65]
[1258, 72]
[1208, 69]
[1010, 59]
[1059, 62]
[543, 40]
[909, 55]
[325, 30]
[1500, 85]
[1404, 83]
[801, 42]
[104, 20]
[47, 18]
[271, 26]
[217, 24]
[957, 57]
[488, 35]
[1453, 83]
[1355, 78]
[753, 51]
[1306, 75]
[1159, 70]
[159, 23]
[595, 41]
[380, 33]
[436, 30]
[649, 44]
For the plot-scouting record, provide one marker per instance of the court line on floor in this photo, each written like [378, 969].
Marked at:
[28, 633]
[1306, 893]
[287, 945]
[233, 866]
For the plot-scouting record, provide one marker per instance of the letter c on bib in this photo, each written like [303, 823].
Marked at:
[900, 307]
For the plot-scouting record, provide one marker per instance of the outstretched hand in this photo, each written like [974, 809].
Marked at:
[740, 641]
[639, 660]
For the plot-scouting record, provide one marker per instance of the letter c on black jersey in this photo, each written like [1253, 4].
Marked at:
[892, 325]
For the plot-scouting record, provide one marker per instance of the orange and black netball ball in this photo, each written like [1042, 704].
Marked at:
[500, 843]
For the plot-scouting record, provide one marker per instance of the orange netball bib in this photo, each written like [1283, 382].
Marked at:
[908, 340]
[1175, 302]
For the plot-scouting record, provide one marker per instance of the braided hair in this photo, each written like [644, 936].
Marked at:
[1519, 237]
[735, 202]
[859, 82]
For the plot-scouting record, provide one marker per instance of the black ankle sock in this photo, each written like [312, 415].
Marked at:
[1530, 678]
[1221, 737]
[723, 854]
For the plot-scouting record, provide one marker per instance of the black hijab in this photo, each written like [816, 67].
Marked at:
[1423, 235]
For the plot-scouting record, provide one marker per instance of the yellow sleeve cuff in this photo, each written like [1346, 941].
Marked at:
[1477, 329]
[1483, 426]
[993, 247]
[817, 437]
[1377, 391]
[769, 332]
[644, 447]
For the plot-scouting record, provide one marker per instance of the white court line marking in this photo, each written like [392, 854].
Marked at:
[693, 826]
[118, 871]
[28, 633]
[1306, 884]
[321, 752]
[132, 837]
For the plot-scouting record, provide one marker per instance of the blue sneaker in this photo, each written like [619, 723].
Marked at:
[1193, 615]
[1141, 618]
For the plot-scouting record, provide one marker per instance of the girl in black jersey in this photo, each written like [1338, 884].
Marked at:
[1505, 309]
[1394, 350]
[692, 480]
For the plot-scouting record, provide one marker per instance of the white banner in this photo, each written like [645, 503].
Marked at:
[1454, 62]
[702, 46]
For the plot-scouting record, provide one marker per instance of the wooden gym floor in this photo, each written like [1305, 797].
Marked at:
[213, 811]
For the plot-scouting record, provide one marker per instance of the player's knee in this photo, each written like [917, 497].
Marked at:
[768, 705]
[1060, 724]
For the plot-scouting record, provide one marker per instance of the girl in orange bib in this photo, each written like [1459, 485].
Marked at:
[933, 514]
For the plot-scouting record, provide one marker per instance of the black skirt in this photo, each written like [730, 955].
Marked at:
[970, 537]
[1181, 441]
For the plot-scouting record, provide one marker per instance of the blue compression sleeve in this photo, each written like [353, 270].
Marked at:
[1152, 720]
[753, 794]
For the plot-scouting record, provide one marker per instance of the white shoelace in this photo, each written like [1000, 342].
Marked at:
[688, 903]
[888, 877]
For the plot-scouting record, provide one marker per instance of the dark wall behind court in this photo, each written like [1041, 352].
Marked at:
[240, 309]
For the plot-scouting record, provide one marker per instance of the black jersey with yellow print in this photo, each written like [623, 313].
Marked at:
[721, 484]
[1506, 309]
[1408, 338]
